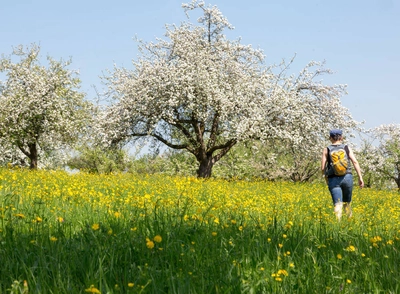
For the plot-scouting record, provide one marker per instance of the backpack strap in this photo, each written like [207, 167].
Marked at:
[346, 148]
[329, 157]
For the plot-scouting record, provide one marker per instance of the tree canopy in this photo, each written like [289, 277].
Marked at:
[200, 92]
[384, 158]
[41, 107]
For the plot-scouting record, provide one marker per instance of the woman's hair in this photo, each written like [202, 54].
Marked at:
[336, 137]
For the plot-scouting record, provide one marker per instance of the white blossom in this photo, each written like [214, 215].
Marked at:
[198, 91]
[41, 107]
[384, 158]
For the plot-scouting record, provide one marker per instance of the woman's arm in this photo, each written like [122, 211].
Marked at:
[356, 167]
[323, 160]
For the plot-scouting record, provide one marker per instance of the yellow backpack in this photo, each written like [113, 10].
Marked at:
[338, 160]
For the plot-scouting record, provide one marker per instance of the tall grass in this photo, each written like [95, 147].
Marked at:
[83, 233]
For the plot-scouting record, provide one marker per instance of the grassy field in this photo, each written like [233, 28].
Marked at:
[81, 233]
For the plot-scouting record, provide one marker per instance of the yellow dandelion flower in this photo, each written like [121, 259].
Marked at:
[39, 219]
[348, 281]
[284, 236]
[375, 239]
[240, 228]
[95, 227]
[289, 225]
[291, 264]
[351, 248]
[157, 239]
[60, 219]
[278, 279]
[339, 256]
[130, 285]
[92, 289]
[214, 234]
[283, 272]
[280, 245]
[261, 268]
[149, 244]
[53, 239]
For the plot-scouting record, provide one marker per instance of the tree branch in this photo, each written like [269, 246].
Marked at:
[199, 131]
[161, 139]
[224, 149]
[187, 134]
[213, 131]
[23, 150]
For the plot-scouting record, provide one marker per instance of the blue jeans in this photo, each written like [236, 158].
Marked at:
[341, 188]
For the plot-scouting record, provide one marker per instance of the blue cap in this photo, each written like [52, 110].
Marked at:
[335, 132]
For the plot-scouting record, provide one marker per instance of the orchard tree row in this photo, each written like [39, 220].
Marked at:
[213, 102]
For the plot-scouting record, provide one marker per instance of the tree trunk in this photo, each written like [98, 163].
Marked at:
[398, 182]
[205, 167]
[33, 155]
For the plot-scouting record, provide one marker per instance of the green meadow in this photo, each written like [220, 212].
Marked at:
[82, 233]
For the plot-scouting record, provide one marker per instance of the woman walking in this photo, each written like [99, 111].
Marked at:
[336, 168]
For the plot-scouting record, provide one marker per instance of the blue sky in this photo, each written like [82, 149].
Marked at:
[359, 40]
